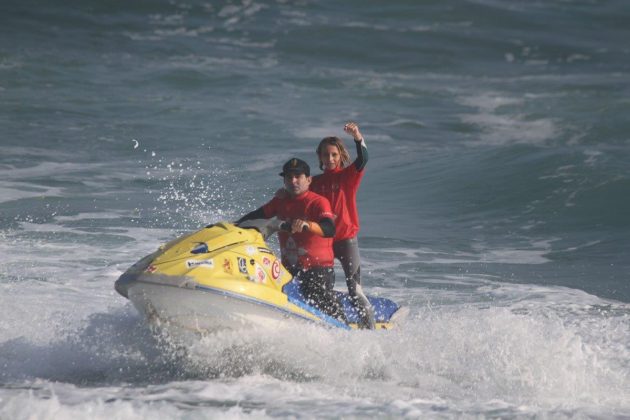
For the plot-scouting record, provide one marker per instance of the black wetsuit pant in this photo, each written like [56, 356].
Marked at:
[347, 252]
[316, 285]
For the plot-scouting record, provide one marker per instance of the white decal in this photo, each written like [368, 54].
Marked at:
[200, 263]
[242, 265]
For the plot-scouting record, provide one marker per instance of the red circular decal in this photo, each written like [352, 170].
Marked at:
[275, 269]
[260, 273]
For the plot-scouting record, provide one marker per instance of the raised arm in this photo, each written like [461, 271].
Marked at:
[362, 154]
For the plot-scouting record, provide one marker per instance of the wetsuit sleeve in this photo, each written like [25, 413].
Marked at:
[327, 226]
[325, 218]
[267, 211]
[362, 155]
[259, 213]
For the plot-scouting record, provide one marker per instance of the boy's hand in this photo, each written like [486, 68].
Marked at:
[353, 129]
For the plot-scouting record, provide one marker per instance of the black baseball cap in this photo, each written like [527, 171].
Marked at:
[296, 166]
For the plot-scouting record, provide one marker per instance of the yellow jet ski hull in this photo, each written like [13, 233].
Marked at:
[222, 277]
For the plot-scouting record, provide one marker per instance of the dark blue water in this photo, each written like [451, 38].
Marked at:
[495, 203]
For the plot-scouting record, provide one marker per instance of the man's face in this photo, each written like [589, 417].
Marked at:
[296, 184]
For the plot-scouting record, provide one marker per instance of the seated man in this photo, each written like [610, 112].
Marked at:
[307, 249]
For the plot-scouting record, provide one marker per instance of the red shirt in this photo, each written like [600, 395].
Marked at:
[303, 249]
[340, 187]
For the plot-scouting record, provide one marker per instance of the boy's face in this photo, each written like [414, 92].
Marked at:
[330, 157]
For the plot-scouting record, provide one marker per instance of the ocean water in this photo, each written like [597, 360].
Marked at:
[496, 202]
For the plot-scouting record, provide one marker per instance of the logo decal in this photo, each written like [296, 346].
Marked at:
[227, 266]
[275, 270]
[266, 261]
[261, 276]
[265, 250]
[151, 269]
[242, 265]
[200, 263]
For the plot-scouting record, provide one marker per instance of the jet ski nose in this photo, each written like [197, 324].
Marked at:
[122, 285]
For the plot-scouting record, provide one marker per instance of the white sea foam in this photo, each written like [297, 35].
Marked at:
[405, 122]
[112, 214]
[11, 191]
[469, 355]
[61, 401]
[543, 348]
[172, 19]
[212, 63]
[499, 128]
[334, 129]
[23, 152]
[47, 169]
[483, 254]
[502, 129]
[489, 101]
[592, 157]
[274, 161]
[232, 13]
[319, 132]
[182, 31]
[475, 345]
[6, 64]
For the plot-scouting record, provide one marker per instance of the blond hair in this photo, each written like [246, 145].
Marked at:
[333, 141]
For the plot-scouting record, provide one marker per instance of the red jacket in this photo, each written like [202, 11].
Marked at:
[340, 187]
[303, 249]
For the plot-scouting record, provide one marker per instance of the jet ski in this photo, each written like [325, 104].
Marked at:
[226, 277]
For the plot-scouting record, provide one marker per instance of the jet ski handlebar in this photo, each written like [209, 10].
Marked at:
[266, 227]
[286, 226]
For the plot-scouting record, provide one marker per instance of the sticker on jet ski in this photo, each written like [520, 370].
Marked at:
[201, 248]
[261, 276]
[227, 266]
[163, 283]
[265, 250]
[242, 265]
[200, 263]
[275, 270]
